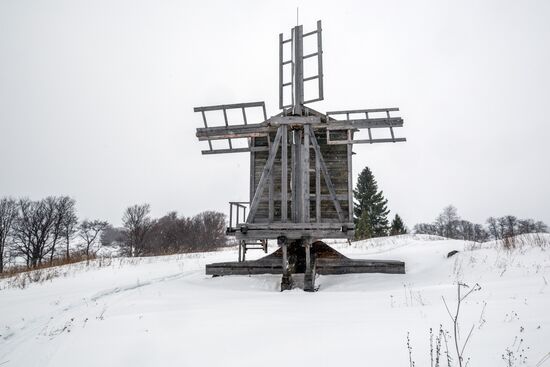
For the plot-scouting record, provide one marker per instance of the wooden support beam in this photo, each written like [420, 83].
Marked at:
[293, 176]
[312, 196]
[306, 226]
[320, 59]
[326, 175]
[367, 141]
[284, 174]
[231, 215]
[234, 131]
[297, 173]
[391, 128]
[252, 175]
[234, 150]
[244, 116]
[229, 106]
[298, 43]
[281, 87]
[372, 123]
[350, 177]
[206, 127]
[317, 188]
[263, 178]
[295, 234]
[226, 125]
[304, 190]
[293, 120]
[270, 205]
[391, 109]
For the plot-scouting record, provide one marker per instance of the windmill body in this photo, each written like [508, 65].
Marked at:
[300, 172]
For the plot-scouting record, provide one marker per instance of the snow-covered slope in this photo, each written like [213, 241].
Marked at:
[165, 311]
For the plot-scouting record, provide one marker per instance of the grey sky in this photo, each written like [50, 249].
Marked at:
[96, 99]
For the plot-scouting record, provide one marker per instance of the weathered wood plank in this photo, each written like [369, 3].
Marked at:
[228, 106]
[350, 177]
[294, 234]
[306, 225]
[391, 109]
[367, 141]
[284, 174]
[305, 175]
[317, 189]
[372, 123]
[234, 150]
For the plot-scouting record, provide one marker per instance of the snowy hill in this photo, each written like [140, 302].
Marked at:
[165, 311]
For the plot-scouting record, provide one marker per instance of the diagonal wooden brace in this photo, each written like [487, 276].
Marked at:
[326, 175]
[266, 173]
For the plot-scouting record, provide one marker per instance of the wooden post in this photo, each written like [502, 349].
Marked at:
[305, 175]
[297, 177]
[284, 174]
[320, 59]
[309, 275]
[227, 125]
[286, 280]
[350, 178]
[317, 188]
[240, 250]
[231, 215]
[206, 126]
[298, 77]
[271, 207]
[252, 171]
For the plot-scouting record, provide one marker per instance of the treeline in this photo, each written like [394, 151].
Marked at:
[141, 235]
[43, 230]
[371, 219]
[449, 224]
[46, 231]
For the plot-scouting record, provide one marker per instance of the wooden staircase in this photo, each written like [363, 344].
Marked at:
[244, 246]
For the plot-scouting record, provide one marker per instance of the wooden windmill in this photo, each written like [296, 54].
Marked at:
[300, 173]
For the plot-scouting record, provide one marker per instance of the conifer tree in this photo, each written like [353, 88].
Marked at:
[397, 226]
[370, 207]
[363, 228]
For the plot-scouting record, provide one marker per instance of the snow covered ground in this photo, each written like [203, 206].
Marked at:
[163, 311]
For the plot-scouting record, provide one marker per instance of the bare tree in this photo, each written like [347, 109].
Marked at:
[541, 227]
[89, 232]
[447, 222]
[8, 214]
[112, 236]
[212, 228]
[33, 228]
[64, 211]
[492, 225]
[69, 228]
[137, 224]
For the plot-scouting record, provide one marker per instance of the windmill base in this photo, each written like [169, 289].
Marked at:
[325, 261]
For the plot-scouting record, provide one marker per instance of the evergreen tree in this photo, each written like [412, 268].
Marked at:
[363, 228]
[397, 226]
[370, 207]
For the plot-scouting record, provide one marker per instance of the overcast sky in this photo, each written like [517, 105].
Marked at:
[97, 97]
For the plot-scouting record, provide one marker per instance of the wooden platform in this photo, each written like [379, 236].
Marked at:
[326, 261]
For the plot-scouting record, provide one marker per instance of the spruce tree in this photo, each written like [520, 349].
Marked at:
[397, 226]
[363, 227]
[370, 207]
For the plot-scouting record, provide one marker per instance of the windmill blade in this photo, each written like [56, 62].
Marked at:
[230, 131]
[368, 122]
